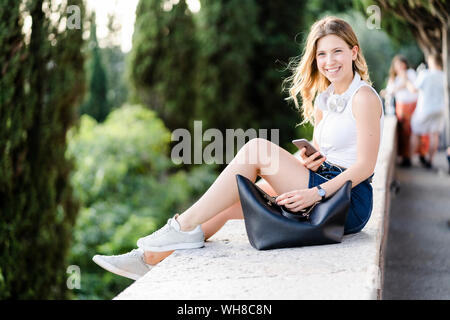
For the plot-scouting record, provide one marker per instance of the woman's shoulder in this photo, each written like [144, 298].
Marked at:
[366, 93]
[366, 99]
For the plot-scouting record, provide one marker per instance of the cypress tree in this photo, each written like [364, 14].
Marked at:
[245, 47]
[163, 60]
[41, 83]
[239, 59]
[96, 104]
[227, 32]
[283, 25]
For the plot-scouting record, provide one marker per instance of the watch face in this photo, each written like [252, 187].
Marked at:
[321, 192]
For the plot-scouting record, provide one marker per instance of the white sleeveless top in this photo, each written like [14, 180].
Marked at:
[336, 133]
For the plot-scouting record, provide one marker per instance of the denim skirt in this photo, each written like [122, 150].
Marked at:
[361, 196]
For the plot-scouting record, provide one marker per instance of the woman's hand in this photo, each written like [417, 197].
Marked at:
[299, 199]
[312, 162]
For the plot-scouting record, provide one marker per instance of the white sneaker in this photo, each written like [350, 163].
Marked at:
[170, 237]
[130, 265]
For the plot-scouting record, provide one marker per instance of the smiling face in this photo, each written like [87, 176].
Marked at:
[335, 58]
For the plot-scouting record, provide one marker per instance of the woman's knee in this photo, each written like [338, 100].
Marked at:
[261, 151]
[257, 144]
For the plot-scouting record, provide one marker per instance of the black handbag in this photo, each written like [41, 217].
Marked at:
[271, 226]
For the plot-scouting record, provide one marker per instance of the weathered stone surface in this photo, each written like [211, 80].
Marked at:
[229, 268]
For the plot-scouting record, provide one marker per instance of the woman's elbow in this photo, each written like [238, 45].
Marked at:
[366, 168]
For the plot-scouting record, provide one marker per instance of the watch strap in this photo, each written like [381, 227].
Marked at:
[324, 193]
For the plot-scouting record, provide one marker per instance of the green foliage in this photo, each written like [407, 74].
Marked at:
[114, 62]
[223, 65]
[279, 23]
[399, 32]
[41, 82]
[123, 179]
[245, 47]
[375, 45]
[96, 104]
[227, 33]
[162, 63]
[318, 8]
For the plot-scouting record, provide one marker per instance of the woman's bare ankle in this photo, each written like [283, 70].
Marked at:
[152, 258]
[185, 225]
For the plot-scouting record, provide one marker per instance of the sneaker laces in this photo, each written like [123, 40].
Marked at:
[160, 231]
[137, 252]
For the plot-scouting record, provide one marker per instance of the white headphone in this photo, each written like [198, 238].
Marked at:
[337, 102]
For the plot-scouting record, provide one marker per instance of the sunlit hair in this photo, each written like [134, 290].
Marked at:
[306, 79]
[392, 72]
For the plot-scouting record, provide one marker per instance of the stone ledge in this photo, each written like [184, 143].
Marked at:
[229, 268]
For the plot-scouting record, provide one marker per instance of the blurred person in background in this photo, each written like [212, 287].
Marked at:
[405, 103]
[429, 115]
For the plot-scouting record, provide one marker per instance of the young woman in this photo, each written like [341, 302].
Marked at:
[429, 115]
[405, 104]
[348, 119]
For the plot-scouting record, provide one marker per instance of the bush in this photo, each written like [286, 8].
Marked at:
[123, 179]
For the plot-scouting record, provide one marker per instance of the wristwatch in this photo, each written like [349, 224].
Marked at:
[321, 191]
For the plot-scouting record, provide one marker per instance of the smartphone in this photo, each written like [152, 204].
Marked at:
[303, 143]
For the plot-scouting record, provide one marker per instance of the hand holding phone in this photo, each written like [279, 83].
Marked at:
[312, 159]
[303, 143]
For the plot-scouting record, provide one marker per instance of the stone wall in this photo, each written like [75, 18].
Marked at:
[229, 268]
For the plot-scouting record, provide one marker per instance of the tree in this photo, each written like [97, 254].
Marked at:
[114, 63]
[429, 21]
[162, 63]
[223, 66]
[227, 33]
[280, 23]
[125, 188]
[316, 8]
[41, 83]
[96, 104]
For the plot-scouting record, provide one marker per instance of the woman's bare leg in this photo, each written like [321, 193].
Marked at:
[414, 144]
[434, 144]
[283, 171]
[214, 224]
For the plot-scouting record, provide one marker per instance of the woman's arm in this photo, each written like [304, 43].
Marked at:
[318, 115]
[411, 86]
[367, 112]
[392, 88]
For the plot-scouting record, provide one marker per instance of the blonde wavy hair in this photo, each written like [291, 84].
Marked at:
[306, 79]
